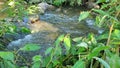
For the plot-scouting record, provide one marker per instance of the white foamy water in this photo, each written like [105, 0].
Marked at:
[19, 42]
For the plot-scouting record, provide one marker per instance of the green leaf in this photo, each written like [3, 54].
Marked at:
[24, 67]
[83, 44]
[79, 2]
[96, 51]
[78, 39]
[58, 2]
[59, 39]
[118, 8]
[36, 65]
[101, 12]
[79, 64]
[8, 64]
[92, 38]
[46, 61]
[97, 21]
[102, 1]
[105, 64]
[55, 62]
[25, 30]
[114, 61]
[49, 50]
[83, 15]
[103, 36]
[30, 47]
[115, 42]
[36, 58]
[7, 55]
[58, 51]
[116, 34]
[67, 42]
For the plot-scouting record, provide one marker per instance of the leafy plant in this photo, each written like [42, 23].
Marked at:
[7, 60]
[30, 47]
[92, 51]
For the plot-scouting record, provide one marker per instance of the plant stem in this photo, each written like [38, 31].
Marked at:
[110, 32]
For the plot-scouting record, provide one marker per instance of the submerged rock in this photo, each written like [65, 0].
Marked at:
[36, 25]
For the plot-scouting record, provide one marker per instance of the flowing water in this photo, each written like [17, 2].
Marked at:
[66, 21]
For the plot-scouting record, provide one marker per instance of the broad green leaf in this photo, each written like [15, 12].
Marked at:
[46, 61]
[83, 15]
[67, 42]
[58, 51]
[78, 39]
[59, 39]
[96, 51]
[115, 42]
[8, 64]
[104, 6]
[104, 63]
[49, 50]
[114, 61]
[102, 1]
[79, 64]
[101, 12]
[36, 65]
[30, 47]
[92, 38]
[7, 55]
[73, 50]
[116, 34]
[36, 58]
[81, 50]
[55, 62]
[103, 36]
[83, 44]
[25, 30]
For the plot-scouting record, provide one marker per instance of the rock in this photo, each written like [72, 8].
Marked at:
[59, 9]
[43, 6]
[91, 5]
[36, 25]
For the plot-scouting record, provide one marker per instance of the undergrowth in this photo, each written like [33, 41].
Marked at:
[92, 51]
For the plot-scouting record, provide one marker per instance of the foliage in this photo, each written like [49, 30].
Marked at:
[61, 56]
[108, 18]
[59, 2]
[92, 51]
[7, 59]
[15, 8]
[29, 47]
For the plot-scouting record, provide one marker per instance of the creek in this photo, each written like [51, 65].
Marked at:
[66, 21]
